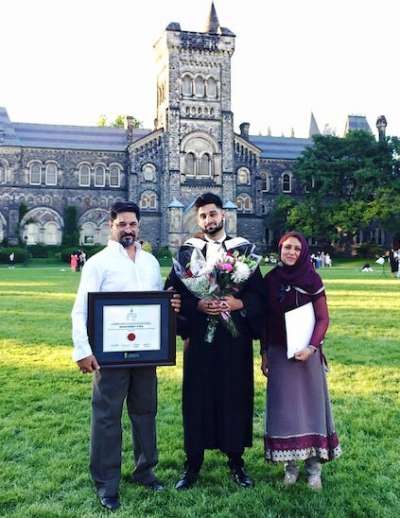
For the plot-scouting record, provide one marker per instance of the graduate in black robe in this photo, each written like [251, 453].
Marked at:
[218, 388]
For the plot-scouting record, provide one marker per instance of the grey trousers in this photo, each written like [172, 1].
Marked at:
[110, 389]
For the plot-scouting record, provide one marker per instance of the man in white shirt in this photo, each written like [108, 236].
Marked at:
[121, 266]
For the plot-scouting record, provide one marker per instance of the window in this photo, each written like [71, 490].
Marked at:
[286, 182]
[115, 176]
[199, 86]
[310, 184]
[149, 172]
[99, 176]
[84, 175]
[243, 176]
[187, 86]
[189, 164]
[205, 165]
[211, 88]
[244, 203]
[265, 182]
[148, 200]
[51, 174]
[35, 173]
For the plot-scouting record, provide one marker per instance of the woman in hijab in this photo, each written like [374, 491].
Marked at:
[299, 423]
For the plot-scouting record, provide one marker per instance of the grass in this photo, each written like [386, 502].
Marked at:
[45, 413]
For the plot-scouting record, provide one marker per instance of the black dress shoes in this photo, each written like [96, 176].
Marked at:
[110, 502]
[187, 480]
[241, 478]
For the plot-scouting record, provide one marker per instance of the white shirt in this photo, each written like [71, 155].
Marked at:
[214, 248]
[111, 270]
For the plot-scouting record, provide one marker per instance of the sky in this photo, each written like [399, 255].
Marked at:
[69, 61]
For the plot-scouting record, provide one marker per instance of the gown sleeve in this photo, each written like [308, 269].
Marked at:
[321, 321]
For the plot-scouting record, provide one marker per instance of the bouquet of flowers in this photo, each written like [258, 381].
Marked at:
[226, 275]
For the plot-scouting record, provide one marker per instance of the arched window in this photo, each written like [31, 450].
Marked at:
[99, 176]
[286, 182]
[51, 174]
[265, 182]
[309, 185]
[205, 165]
[190, 164]
[243, 176]
[50, 234]
[115, 172]
[244, 203]
[379, 236]
[199, 86]
[149, 172]
[187, 86]
[148, 200]
[35, 173]
[211, 88]
[84, 175]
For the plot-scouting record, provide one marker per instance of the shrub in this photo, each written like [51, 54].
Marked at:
[66, 253]
[20, 255]
[164, 256]
[369, 250]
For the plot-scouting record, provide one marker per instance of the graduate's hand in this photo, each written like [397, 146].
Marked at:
[176, 301]
[232, 303]
[303, 355]
[211, 307]
[264, 364]
[88, 364]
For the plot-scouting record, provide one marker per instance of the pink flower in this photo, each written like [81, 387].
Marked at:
[227, 267]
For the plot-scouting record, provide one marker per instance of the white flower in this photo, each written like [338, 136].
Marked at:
[241, 272]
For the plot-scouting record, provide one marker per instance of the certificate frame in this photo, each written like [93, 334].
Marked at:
[160, 301]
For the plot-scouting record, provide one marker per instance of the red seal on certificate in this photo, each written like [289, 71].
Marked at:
[131, 337]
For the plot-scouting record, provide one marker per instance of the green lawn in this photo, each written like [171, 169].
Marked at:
[45, 413]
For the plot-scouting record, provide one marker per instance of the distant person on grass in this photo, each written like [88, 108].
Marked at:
[121, 266]
[299, 423]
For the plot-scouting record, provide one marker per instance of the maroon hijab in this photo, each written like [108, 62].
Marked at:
[302, 274]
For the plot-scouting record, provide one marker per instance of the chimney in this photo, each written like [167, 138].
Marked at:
[381, 124]
[129, 126]
[244, 130]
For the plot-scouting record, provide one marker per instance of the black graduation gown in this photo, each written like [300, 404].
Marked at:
[218, 385]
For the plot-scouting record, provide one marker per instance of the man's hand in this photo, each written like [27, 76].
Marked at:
[264, 364]
[303, 355]
[211, 307]
[232, 303]
[88, 364]
[176, 301]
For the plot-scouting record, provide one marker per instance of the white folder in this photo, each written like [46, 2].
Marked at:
[300, 323]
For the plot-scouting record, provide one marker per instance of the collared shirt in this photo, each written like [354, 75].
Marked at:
[213, 248]
[111, 270]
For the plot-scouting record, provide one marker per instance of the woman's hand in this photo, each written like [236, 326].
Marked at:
[303, 355]
[264, 364]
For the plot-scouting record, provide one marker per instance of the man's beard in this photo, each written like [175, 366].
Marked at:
[215, 229]
[127, 240]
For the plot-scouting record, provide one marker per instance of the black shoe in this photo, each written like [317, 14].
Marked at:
[187, 480]
[110, 502]
[241, 478]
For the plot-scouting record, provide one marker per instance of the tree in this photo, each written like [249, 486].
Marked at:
[349, 184]
[119, 122]
[71, 231]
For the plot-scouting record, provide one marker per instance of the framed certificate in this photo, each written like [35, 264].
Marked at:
[132, 328]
